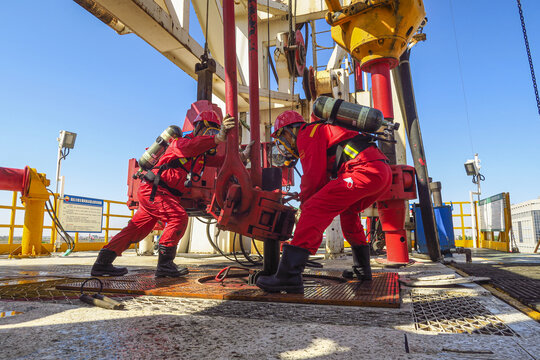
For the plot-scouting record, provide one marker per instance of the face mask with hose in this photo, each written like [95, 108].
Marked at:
[284, 151]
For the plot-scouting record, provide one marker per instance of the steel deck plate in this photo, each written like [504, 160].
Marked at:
[447, 313]
[322, 287]
[521, 281]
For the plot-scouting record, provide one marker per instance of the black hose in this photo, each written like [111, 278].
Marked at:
[54, 218]
[246, 255]
[215, 247]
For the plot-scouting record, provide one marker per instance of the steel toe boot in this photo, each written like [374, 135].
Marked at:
[103, 265]
[166, 266]
[361, 268]
[288, 277]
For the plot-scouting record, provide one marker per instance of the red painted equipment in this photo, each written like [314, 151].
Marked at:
[33, 188]
[358, 80]
[380, 83]
[14, 179]
[255, 135]
[238, 204]
[392, 209]
[240, 200]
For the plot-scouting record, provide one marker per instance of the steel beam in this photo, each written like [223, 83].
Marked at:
[155, 25]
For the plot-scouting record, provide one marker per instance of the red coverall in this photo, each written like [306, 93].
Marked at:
[360, 182]
[166, 207]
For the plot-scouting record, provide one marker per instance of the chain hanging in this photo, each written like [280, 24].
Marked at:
[529, 54]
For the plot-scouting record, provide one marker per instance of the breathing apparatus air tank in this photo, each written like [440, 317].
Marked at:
[151, 156]
[350, 116]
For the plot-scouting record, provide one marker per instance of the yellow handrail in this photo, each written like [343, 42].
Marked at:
[81, 246]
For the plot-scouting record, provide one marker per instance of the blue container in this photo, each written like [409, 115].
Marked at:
[445, 228]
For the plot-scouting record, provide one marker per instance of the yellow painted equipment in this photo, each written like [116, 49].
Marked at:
[375, 29]
[33, 197]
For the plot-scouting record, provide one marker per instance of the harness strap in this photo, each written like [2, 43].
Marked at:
[156, 181]
[347, 150]
[174, 164]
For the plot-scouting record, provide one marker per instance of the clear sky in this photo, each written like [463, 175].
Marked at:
[62, 69]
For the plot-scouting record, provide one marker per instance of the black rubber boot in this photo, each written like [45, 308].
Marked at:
[288, 276]
[103, 265]
[166, 266]
[361, 268]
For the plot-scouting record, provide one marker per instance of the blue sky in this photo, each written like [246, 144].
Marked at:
[62, 69]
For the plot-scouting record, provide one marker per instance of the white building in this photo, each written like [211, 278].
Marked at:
[526, 224]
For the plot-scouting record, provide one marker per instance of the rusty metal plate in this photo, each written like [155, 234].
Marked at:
[322, 287]
[448, 313]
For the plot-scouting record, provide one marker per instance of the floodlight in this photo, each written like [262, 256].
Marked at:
[470, 168]
[67, 139]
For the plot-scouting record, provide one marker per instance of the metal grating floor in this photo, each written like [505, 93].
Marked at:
[521, 281]
[38, 289]
[322, 287]
[445, 313]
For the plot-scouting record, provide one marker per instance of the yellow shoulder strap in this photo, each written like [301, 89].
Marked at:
[313, 130]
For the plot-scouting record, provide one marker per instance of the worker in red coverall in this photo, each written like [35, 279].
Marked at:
[328, 188]
[208, 132]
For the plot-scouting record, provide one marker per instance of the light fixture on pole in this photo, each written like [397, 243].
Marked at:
[66, 142]
[472, 168]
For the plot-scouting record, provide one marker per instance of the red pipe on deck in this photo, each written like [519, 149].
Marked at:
[381, 88]
[254, 122]
[14, 179]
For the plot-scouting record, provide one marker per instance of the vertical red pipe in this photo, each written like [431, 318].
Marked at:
[392, 216]
[231, 89]
[358, 80]
[254, 123]
[382, 90]
[232, 165]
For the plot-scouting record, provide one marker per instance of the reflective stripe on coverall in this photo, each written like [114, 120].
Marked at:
[360, 182]
[166, 207]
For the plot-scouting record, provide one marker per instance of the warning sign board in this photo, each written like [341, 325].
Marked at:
[81, 214]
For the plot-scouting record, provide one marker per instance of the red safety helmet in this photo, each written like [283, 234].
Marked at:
[287, 118]
[207, 115]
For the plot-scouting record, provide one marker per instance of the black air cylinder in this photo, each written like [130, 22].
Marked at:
[151, 156]
[348, 115]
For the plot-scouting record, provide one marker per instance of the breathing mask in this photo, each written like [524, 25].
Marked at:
[285, 147]
[279, 160]
[206, 128]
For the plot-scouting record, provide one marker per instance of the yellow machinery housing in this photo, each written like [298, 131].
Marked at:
[33, 188]
[375, 29]
[34, 199]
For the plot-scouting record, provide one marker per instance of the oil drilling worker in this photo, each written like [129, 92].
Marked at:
[164, 203]
[328, 188]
